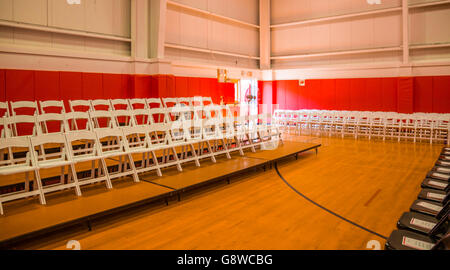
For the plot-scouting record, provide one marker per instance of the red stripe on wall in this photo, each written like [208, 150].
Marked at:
[441, 94]
[423, 94]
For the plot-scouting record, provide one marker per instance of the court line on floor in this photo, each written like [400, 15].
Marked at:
[324, 208]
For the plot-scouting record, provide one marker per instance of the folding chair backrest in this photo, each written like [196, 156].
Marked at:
[50, 123]
[123, 118]
[185, 100]
[55, 141]
[52, 106]
[101, 105]
[4, 109]
[120, 104]
[141, 117]
[207, 101]
[114, 137]
[82, 143]
[13, 149]
[77, 121]
[24, 107]
[102, 119]
[197, 101]
[159, 115]
[135, 137]
[80, 105]
[154, 103]
[22, 125]
[159, 134]
[169, 102]
[138, 103]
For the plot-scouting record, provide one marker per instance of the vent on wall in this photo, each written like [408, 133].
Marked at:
[302, 82]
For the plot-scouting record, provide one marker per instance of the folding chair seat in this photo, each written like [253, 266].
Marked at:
[424, 224]
[434, 195]
[116, 149]
[80, 105]
[435, 184]
[138, 143]
[433, 209]
[120, 104]
[12, 163]
[24, 108]
[56, 157]
[84, 148]
[52, 106]
[160, 139]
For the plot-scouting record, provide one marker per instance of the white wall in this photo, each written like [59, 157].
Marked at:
[190, 28]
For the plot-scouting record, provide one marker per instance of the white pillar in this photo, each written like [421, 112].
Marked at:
[158, 10]
[405, 31]
[264, 34]
[139, 29]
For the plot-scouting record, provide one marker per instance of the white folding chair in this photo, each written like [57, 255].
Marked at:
[58, 157]
[50, 106]
[160, 138]
[101, 105]
[123, 118]
[185, 100]
[13, 166]
[84, 147]
[179, 134]
[137, 142]
[159, 115]
[243, 133]
[207, 101]
[116, 149]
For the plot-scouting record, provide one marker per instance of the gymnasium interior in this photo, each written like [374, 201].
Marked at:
[224, 124]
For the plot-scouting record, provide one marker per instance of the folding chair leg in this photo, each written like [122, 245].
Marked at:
[155, 161]
[102, 162]
[74, 177]
[213, 158]
[40, 187]
[1, 209]
[133, 167]
[177, 160]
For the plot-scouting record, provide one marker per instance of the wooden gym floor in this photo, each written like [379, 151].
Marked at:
[368, 182]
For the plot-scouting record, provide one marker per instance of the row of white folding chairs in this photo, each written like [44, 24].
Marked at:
[418, 126]
[70, 121]
[101, 144]
[11, 108]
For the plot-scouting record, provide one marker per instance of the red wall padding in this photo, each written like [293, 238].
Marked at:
[112, 86]
[423, 94]
[405, 99]
[92, 86]
[19, 85]
[2, 85]
[441, 94]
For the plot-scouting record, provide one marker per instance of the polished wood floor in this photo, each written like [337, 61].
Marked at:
[369, 182]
